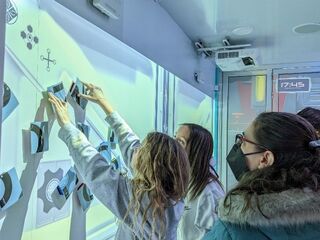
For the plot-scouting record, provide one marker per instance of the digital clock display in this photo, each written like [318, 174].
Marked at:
[294, 85]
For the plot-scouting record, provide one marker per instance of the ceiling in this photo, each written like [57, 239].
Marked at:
[272, 22]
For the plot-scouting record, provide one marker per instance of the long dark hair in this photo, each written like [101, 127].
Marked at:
[312, 115]
[296, 165]
[200, 150]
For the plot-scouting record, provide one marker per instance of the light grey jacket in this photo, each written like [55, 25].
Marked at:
[201, 213]
[110, 187]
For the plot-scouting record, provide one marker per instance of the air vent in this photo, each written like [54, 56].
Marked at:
[307, 28]
[236, 59]
[222, 55]
[233, 54]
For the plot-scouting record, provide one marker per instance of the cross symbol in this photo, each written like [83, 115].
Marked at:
[53, 61]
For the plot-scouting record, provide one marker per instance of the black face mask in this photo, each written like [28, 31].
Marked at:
[237, 161]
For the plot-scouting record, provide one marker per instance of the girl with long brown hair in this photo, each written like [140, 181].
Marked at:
[205, 189]
[150, 204]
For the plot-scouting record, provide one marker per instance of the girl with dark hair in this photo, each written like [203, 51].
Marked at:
[313, 117]
[204, 187]
[150, 205]
[277, 163]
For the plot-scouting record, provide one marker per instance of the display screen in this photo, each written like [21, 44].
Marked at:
[294, 85]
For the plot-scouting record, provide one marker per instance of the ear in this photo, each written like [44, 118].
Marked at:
[266, 160]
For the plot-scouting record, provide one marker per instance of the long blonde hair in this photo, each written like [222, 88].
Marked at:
[162, 174]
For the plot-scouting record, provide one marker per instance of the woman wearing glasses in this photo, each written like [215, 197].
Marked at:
[277, 163]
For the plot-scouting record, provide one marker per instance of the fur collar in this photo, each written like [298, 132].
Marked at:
[287, 208]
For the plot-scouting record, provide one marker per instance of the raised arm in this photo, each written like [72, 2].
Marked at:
[128, 140]
[107, 184]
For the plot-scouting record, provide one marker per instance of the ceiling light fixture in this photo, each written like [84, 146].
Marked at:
[242, 31]
[306, 28]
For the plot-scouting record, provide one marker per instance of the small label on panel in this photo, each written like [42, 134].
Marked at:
[294, 85]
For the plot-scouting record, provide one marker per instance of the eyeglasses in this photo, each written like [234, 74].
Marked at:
[240, 138]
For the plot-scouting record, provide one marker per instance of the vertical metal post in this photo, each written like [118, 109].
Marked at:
[2, 47]
[216, 120]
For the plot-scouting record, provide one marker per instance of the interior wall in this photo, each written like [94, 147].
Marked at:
[145, 26]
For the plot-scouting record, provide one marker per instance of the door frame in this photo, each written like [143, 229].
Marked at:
[224, 115]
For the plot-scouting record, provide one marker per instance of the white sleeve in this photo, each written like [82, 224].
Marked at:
[206, 213]
[127, 139]
[108, 185]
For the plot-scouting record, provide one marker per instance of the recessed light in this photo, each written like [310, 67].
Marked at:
[241, 31]
[307, 28]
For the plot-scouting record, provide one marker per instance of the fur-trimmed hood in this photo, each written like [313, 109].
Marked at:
[287, 208]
